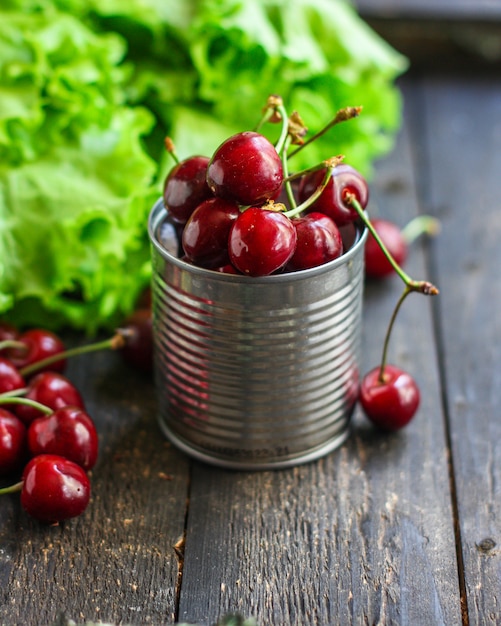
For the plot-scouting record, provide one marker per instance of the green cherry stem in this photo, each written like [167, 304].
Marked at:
[287, 183]
[117, 341]
[328, 165]
[420, 225]
[12, 343]
[407, 290]
[422, 286]
[13, 393]
[33, 403]
[16, 487]
[284, 132]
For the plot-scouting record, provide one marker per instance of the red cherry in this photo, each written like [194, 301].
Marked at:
[8, 332]
[12, 442]
[228, 268]
[261, 241]
[10, 378]
[376, 263]
[68, 432]
[54, 489]
[334, 199]
[51, 389]
[40, 344]
[205, 236]
[186, 187]
[246, 169]
[138, 349]
[392, 403]
[318, 241]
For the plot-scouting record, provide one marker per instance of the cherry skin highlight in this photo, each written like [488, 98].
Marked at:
[54, 489]
[334, 199]
[376, 263]
[205, 236]
[12, 443]
[68, 432]
[186, 187]
[10, 378]
[318, 241]
[390, 404]
[51, 389]
[261, 241]
[40, 344]
[245, 169]
[8, 331]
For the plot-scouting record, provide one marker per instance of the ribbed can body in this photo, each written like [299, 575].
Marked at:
[256, 373]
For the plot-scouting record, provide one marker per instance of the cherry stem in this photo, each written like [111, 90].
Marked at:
[287, 182]
[422, 286]
[284, 133]
[14, 393]
[12, 488]
[33, 403]
[329, 165]
[169, 146]
[407, 290]
[342, 115]
[420, 225]
[12, 343]
[117, 341]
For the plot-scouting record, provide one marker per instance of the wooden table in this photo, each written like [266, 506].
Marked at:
[390, 530]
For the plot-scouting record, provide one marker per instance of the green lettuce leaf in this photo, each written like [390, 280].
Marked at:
[90, 88]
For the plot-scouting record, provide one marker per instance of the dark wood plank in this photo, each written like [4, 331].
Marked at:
[461, 151]
[364, 535]
[431, 9]
[116, 563]
[447, 35]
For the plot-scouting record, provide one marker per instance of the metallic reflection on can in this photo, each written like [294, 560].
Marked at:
[256, 373]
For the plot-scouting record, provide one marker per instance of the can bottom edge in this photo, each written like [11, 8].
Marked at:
[301, 458]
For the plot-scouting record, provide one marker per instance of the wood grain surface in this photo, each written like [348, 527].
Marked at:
[391, 530]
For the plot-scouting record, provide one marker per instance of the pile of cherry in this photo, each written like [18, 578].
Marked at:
[239, 212]
[47, 438]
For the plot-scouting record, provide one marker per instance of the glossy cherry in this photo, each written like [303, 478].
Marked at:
[10, 378]
[12, 443]
[334, 199]
[138, 348]
[51, 389]
[205, 236]
[392, 402]
[186, 187]
[318, 241]
[376, 262]
[54, 489]
[261, 241]
[8, 332]
[246, 168]
[69, 432]
[40, 344]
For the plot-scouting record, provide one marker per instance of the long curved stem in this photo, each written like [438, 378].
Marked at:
[407, 290]
[12, 488]
[112, 343]
[422, 286]
[26, 401]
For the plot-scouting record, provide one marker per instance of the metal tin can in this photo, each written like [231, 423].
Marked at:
[255, 372]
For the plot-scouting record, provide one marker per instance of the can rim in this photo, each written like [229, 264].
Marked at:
[159, 212]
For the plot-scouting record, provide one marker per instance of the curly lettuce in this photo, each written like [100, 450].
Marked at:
[88, 91]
